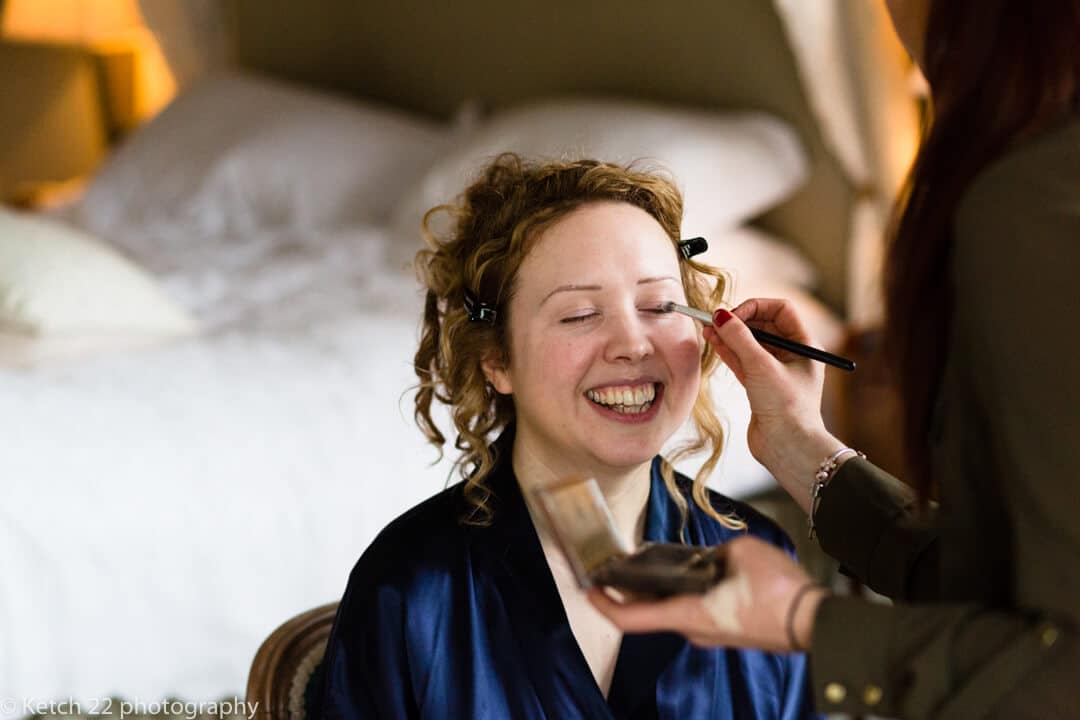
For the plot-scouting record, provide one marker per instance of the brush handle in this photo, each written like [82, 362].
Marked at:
[767, 338]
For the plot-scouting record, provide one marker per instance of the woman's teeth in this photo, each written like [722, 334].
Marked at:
[625, 399]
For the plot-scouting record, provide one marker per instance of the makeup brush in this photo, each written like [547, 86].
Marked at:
[767, 338]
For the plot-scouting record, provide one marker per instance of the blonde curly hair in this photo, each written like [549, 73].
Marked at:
[496, 222]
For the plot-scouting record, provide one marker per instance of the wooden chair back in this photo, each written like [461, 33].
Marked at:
[285, 664]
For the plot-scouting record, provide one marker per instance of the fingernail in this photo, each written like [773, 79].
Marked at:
[720, 317]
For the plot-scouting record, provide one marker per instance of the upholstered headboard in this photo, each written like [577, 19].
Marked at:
[431, 57]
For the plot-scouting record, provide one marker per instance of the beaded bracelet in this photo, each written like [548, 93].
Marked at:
[824, 474]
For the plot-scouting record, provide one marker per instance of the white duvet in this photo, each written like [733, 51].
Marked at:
[164, 510]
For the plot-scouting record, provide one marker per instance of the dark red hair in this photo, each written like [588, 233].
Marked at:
[999, 70]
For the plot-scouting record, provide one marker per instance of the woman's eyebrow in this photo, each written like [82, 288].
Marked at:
[569, 288]
[572, 288]
[658, 278]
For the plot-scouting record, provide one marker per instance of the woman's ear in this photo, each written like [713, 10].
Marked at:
[496, 372]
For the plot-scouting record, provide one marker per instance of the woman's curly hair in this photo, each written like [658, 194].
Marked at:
[496, 222]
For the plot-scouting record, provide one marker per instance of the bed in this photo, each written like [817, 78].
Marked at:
[180, 481]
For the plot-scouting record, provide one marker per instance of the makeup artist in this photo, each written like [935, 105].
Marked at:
[981, 553]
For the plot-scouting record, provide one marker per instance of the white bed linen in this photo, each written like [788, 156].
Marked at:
[165, 510]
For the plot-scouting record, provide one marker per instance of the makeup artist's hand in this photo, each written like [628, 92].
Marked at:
[786, 433]
[749, 608]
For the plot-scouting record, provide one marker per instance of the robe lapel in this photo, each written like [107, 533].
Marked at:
[564, 683]
[643, 657]
[561, 676]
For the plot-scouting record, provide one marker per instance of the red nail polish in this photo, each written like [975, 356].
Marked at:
[720, 317]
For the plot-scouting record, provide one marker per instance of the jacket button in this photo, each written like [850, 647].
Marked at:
[835, 692]
[1048, 636]
[872, 695]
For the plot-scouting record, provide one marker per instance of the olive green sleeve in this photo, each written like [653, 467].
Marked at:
[867, 521]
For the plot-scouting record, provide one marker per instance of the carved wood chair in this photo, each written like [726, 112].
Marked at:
[284, 679]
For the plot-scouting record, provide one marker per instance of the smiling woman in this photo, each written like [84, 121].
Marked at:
[545, 325]
[601, 335]
[607, 339]
[594, 219]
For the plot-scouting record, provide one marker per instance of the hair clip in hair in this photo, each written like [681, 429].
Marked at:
[478, 310]
[693, 246]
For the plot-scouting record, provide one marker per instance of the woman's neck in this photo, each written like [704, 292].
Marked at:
[626, 491]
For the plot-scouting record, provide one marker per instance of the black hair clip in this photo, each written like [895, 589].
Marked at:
[479, 311]
[693, 246]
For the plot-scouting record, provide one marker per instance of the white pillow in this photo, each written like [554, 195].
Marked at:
[238, 151]
[763, 265]
[752, 254]
[28, 352]
[56, 281]
[730, 166]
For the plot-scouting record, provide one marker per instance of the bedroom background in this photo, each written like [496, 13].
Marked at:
[206, 314]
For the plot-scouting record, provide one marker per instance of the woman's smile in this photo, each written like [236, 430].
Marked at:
[627, 402]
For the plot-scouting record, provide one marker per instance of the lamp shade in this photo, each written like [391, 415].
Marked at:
[70, 20]
[138, 81]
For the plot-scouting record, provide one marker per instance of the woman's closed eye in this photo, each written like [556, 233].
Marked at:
[580, 317]
[657, 309]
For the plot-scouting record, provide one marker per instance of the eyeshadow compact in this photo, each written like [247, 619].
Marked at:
[585, 531]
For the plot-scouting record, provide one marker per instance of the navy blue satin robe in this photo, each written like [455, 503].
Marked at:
[440, 620]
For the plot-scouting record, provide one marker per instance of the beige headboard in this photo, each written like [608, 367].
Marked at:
[429, 57]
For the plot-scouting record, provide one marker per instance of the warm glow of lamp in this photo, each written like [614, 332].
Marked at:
[917, 83]
[139, 82]
[81, 21]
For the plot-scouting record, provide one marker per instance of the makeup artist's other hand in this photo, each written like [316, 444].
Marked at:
[749, 608]
[786, 433]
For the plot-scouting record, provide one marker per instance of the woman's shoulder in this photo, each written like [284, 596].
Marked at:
[1038, 175]
[1018, 236]
[425, 537]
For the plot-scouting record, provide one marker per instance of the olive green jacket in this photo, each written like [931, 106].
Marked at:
[987, 590]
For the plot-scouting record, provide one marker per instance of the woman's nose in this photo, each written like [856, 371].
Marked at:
[629, 340]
